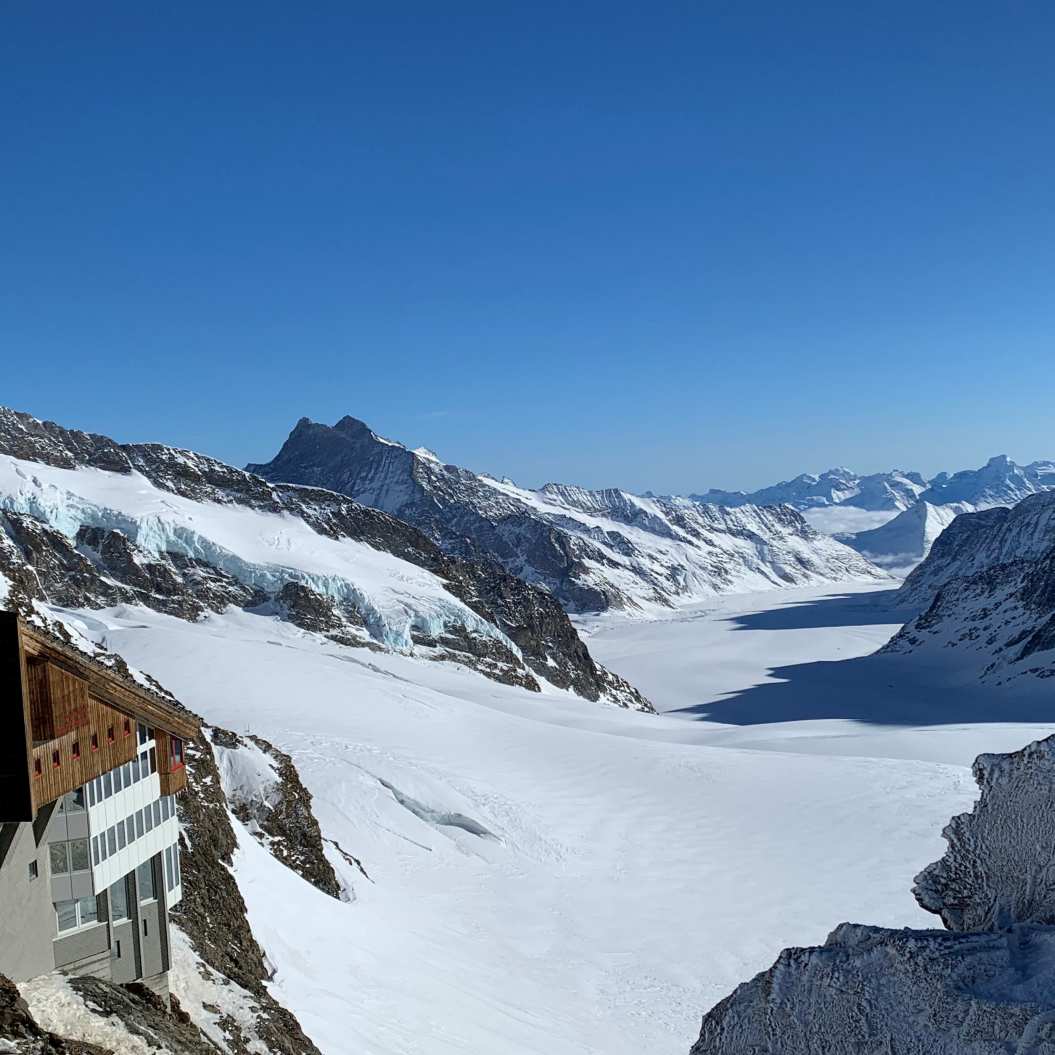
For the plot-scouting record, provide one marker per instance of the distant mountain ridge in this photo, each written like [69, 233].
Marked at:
[999, 482]
[591, 549]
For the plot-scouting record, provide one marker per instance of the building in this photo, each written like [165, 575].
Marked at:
[90, 765]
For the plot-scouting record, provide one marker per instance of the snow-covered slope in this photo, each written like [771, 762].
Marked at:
[986, 594]
[904, 541]
[85, 522]
[591, 549]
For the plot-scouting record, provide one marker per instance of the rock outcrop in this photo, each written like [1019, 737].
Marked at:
[20, 1032]
[264, 791]
[985, 986]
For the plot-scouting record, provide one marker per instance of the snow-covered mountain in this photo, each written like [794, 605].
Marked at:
[986, 593]
[895, 490]
[999, 482]
[593, 550]
[88, 523]
[906, 539]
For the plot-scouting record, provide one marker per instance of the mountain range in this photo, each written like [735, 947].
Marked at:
[999, 482]
[591, 549]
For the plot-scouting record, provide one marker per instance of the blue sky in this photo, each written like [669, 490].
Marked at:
[664, 246]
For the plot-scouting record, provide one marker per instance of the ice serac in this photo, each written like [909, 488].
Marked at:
[985, 986]
[987, 591]
[591, 549]
[89, 523]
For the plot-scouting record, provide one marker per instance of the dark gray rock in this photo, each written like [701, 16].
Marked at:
[999, 868]
[873, 991]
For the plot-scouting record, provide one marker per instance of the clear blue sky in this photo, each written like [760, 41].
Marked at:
[666, 246]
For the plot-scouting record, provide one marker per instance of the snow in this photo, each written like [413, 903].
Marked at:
[247, 772]
[56, 1007]
[552, 875]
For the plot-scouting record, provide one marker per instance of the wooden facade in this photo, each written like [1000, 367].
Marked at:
[171, 770]
[68, 720]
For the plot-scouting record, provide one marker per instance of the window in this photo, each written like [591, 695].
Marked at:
[153, 760]
[95, 741]
[121, 836]
[117, 949]
[111, 841]
[145, 733]
[119, 900]
[148, 818]
[166, 807]
[58, 857]
[79, 861]
[145, 874]
[102, 847]
[82, 912]
[135, 770]
[139, 823]
[75, 801]
[108, 785]
[56, 761]
[109, 734]
[130, 829]
[177, 753]
[118, 780]
[144, 764]
[170, 876]
[157, 812]
[75, 751]
[175, 863]
[37, 768]
[34, 871]
[126, 729]
[95, 848]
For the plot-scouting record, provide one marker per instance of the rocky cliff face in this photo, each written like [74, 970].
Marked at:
[593, 550]
[985, 986]
[987, 590]
[187, 535]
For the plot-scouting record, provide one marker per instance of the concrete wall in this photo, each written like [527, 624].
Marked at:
[27, 919]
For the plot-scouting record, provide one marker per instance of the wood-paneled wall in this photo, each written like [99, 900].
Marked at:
[173, 778]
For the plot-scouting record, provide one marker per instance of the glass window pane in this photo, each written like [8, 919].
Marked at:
[108, 785]
[75, 802]
[148, 817]
[175, 862]
[130, 829]
[89, 909]
[66, 914]
[118, 779]
[95, 848]
[139, 823]
[135, 769]
[153, 760]
[146, 881]
[79, 855]
[119, 900]
[111, 840]
[157, 811]
[91, 792]
[121, 835]
[60, 864]
[103, 855]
